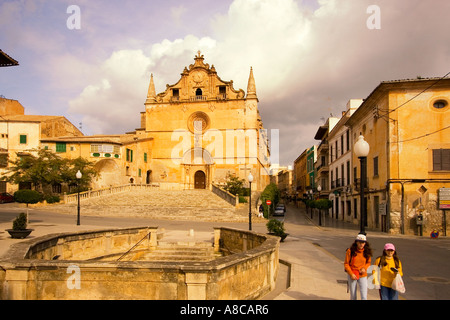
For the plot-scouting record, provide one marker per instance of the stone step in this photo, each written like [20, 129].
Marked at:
[179, 252]
[188, 205]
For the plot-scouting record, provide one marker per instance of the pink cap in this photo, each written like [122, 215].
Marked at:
[389, 246]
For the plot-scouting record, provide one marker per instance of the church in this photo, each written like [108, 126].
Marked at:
[196, 133]
[204, 130]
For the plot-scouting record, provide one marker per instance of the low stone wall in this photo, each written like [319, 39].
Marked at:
[225, 195]
[28, 273]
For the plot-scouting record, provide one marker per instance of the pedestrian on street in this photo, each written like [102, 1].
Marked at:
[389, 265]
[357, 260]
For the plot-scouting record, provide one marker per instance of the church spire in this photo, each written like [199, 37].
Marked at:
[251, 88]
[151, 95]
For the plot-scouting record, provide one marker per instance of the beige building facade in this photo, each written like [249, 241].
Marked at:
[406, 123]
[21, 135]
[203, 130]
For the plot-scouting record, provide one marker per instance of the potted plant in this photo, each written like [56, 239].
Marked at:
[19, 229]
[276, 227]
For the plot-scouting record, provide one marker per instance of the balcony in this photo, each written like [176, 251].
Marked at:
[357, 183]
[323, 146]
[221, 96]
[322, 168]
[175, 99]
[198, 98]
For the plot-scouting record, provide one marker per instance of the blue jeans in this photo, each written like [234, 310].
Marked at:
[388, 293]
[362, 282]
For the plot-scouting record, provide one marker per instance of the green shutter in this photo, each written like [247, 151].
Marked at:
[23, 138]
[60, 147]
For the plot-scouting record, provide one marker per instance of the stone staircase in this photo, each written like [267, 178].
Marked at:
[177, 246]
[190, 205]
[175, 252]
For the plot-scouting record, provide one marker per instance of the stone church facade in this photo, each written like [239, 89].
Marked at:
[204, 130]
[195, 133]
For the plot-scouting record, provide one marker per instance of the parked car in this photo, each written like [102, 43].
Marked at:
[6, 197]
[279, 210]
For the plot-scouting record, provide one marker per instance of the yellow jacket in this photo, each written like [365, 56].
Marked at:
[386, 275]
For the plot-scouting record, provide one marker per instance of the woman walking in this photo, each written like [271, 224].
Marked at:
[357, 260]
[389, 265]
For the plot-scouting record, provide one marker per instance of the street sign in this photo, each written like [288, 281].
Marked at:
[268, 202]
[444, 198]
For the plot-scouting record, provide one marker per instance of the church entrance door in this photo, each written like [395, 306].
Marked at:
[200, 180]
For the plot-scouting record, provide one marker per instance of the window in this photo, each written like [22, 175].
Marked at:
[3, 160]
[375, 166]
[348, 173]
[198, 92]
[440, 104]
[336, 147]
[145, 156]
[60, 147]
[95, 148]
[348, 139]
[105, 148]
[441, 159]
[56, 188]
[222, 92]
[23, 139]
[130, 155]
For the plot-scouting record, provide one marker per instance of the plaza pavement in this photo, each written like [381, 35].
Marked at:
[311, 272]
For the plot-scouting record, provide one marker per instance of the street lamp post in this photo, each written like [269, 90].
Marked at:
[361, 151]
[319, 188]
[250, 180]
[78, 175]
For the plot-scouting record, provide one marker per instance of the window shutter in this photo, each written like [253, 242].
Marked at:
[437, 160]
[445, 159]
[60, 147]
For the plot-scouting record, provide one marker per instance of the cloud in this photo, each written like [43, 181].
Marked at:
[177, 13]
[307, 64]
[113, 104]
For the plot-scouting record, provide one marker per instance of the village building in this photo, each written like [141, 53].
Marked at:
[407, 126]
[299, 176]
[21, 134]
[324, 149]
[340, 183]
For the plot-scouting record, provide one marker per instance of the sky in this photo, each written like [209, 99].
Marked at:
[91, 61]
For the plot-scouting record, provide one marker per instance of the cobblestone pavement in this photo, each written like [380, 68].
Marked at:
[202, 205]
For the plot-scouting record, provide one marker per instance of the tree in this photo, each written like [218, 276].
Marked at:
[234, 185]
[27, 196]
[271, 193]
[46, 169]
[86, 167]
